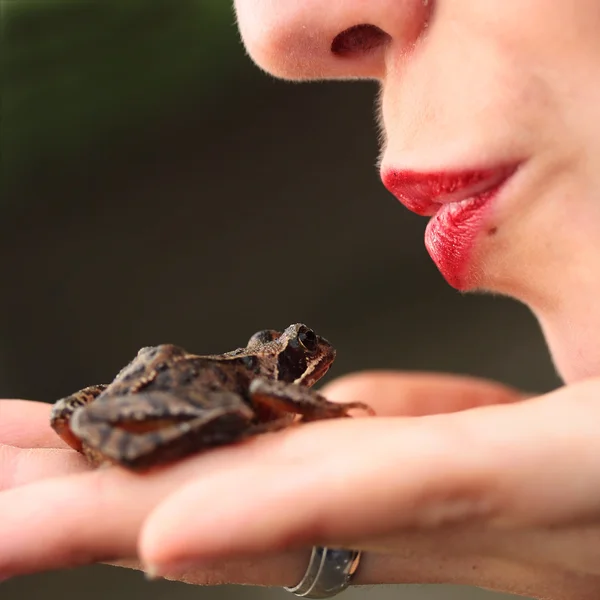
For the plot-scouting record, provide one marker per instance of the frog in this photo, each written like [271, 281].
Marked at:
[168, 404]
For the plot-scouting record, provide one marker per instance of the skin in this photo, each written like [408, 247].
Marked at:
[483, 487]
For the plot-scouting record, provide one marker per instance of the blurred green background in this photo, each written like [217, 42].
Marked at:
[157, 187]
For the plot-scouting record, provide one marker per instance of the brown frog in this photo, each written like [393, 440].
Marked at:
[167, 404]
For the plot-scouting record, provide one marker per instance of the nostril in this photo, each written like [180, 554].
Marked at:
[358, 39]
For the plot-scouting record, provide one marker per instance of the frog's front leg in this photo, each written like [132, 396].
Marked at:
[282, 398]
[63, 409]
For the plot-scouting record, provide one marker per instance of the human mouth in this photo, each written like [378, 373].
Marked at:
[459, 204]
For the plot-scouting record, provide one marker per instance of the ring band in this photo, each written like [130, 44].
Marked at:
[329, 572]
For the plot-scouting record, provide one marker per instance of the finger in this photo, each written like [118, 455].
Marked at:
[281, 569]
[424, 557]
[393, 393]
[26, 424]
[65, 514]
[528, 464]
[19, 466]
[92, 516]
[275, 505]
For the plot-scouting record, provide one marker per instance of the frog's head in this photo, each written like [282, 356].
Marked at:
[296, 355]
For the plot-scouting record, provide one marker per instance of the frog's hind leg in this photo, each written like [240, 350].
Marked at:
[282, 398]
[63, 409]
[146, 429]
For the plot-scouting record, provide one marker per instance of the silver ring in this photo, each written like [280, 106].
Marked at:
[329, 572]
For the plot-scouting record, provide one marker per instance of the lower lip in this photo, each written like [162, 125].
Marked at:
[451, 235]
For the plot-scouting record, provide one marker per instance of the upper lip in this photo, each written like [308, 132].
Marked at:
[425, 192]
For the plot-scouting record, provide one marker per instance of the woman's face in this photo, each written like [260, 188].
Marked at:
[491, 113]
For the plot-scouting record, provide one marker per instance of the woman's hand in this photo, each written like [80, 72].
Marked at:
[456, 480]
[486, 488]
[57, 512]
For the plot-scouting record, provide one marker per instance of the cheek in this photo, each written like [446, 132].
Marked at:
[542, 240]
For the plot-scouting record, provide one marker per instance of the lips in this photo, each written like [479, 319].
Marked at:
[459, 204]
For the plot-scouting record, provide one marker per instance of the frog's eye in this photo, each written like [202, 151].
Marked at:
[308, 339]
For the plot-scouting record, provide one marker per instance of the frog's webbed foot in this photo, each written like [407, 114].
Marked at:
[63, 409]
[147, 429]
[282, 398]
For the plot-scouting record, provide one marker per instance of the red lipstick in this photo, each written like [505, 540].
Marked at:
[458, 203]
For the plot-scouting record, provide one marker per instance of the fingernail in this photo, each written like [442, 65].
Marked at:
[152, 572]
[157, 571]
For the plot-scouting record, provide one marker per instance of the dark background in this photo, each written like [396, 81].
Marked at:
[157, 187]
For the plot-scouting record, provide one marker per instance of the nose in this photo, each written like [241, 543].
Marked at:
[329, 39]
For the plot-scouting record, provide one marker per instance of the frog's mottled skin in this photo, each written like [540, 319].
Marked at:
[167, 403]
